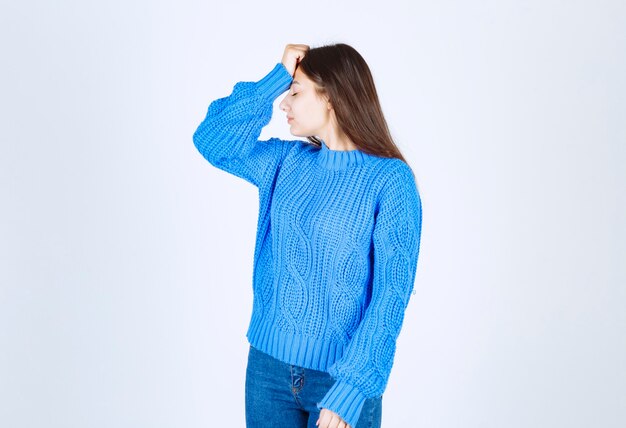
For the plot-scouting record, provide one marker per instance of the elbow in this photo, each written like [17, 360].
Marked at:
[197, 141]
[207, 144]
[201, 141]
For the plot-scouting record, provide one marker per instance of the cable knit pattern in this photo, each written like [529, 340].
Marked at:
[336, 248]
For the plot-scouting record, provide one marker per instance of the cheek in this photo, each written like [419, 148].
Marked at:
[307, 112]
[308, 109]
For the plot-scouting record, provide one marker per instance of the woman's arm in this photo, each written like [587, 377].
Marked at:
[228, 135]
[364, 369]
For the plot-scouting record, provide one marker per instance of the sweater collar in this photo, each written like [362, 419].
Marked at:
[339, 159]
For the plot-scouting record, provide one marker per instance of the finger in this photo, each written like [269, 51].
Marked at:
[300, 47]
[334, 423]
[301, 50]
[325, 419]
[342, 423]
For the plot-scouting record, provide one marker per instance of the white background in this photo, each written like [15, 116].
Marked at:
[126, 258]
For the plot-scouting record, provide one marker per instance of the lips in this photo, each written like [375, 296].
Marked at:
[289, 119]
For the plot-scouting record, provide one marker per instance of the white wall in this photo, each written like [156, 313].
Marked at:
[126, 259]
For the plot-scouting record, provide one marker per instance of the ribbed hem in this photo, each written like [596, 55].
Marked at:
[308, 352]
[345, 400]
[275, 82]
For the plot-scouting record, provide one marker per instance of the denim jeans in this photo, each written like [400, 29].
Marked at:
[283, 395]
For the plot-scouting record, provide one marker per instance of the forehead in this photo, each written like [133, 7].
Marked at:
[300, 79]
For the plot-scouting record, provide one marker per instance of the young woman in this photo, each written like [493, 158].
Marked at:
[337, 242]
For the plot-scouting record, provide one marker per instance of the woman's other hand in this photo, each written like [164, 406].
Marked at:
[330, 419]
[293, 54]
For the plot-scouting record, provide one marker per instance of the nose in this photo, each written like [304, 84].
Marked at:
[283, 105]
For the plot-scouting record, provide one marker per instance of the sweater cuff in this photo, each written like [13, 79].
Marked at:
[345, 400]
[275, 82]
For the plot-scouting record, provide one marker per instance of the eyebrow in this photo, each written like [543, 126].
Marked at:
[295, 82]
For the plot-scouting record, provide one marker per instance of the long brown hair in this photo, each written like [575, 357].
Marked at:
[341, 74]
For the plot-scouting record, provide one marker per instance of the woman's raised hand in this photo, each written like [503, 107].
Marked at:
[293, 55]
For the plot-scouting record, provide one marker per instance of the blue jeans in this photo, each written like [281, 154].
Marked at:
[283, 395]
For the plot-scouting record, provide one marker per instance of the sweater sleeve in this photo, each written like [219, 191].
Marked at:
[228, 135]
[364, 368]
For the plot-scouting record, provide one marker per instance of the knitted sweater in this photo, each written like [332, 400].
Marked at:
[336, 246]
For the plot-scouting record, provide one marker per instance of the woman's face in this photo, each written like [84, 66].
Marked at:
[308, 114]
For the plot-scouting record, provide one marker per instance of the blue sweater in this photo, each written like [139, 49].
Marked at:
[336, 246]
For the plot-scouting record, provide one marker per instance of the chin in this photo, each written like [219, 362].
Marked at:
[300, 133]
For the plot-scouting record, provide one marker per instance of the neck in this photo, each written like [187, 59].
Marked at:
[336, 141]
